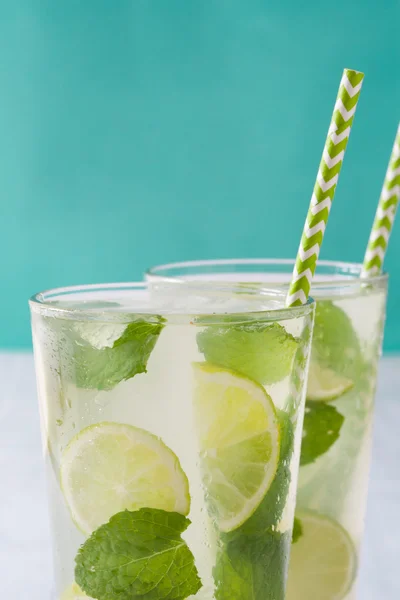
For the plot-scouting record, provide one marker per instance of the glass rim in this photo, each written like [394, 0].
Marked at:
[352, 269]
[41, 303]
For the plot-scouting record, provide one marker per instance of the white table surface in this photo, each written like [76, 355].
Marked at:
[25, 557]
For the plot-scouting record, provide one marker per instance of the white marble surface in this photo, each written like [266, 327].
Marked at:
[25, 556]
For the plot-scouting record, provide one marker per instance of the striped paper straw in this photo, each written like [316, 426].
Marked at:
[383, 223]
[325, 187]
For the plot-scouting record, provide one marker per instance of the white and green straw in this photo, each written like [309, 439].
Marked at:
[385, 214]
[325, 186]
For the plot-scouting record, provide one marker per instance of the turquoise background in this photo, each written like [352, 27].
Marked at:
[139, 132]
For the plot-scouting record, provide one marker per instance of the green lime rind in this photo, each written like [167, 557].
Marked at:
[263, 352]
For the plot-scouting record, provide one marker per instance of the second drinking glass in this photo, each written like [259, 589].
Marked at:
[336, 446]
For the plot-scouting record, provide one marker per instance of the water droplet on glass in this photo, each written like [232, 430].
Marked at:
[102, 400]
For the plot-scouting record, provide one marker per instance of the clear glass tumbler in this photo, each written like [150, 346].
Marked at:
[336, 446]
[171, 421]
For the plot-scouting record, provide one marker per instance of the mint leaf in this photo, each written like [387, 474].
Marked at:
[335, 344]
[263, 352]
[138, 555]
[103, 368]
[297, 530]
[321, 429]
[269, 512]
[253, 568]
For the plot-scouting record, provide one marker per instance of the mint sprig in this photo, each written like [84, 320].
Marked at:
[335, 344]
[253, 568]
[321, 429]
[138, 555]
[263, 352]
[103, 368]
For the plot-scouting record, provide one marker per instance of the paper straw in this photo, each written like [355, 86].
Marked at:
[385, 214]
[325, 186]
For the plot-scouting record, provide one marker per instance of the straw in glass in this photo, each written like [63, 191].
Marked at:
[385, 214]
[325, 186]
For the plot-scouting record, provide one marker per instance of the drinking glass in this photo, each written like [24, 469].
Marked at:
[336, 445]
[171, 419]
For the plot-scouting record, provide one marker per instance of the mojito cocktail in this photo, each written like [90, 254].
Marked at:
[337, 438]
[171, 421]
[336, 444]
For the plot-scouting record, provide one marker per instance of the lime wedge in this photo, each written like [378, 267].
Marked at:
[109, 467]
[322, 560]
[239, 441]
[324, 385]
[74, 592]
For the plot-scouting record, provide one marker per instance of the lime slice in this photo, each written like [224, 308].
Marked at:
[239, 442]
[322, 560]
[324, 385]
[110, 467]
[74, 592]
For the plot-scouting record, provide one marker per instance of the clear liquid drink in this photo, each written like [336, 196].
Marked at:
[336, 444]
[171, 422]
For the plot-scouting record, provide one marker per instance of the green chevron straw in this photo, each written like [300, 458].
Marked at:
[325, 187]
[385, 214]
